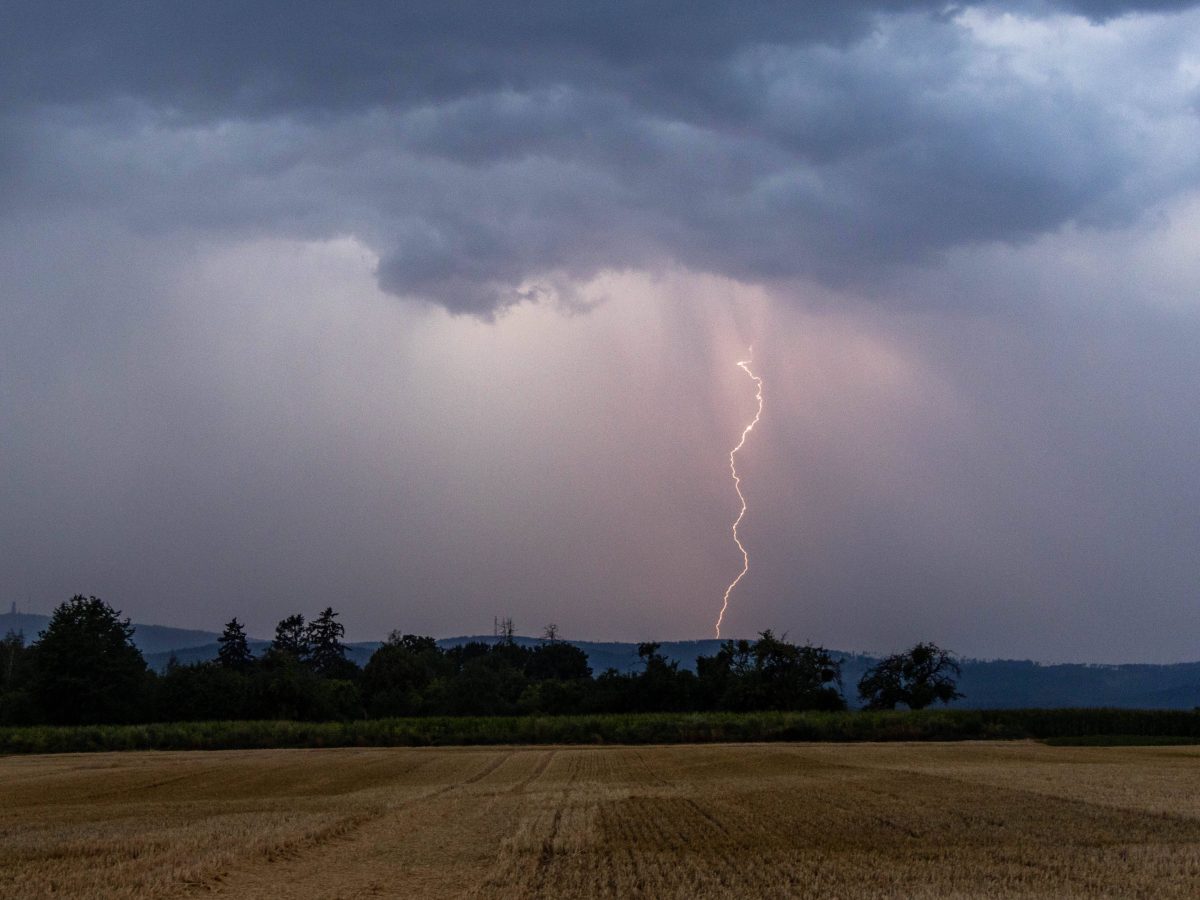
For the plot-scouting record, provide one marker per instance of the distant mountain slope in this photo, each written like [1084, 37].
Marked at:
[27, 624]
[149, 638]
[1015, 684]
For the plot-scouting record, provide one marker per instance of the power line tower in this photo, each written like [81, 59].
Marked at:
[502, 629]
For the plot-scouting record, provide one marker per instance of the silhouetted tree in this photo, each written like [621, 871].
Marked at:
[291, 638]
[796, 677]
[86, 668]
[483, 679]
[661, 686]
[326, 652]
[916, 678]
[770, 673]
[397, 677]
[721, 676]
[558, 661]
[234, 652]
[16, 705]
[12, 658]
[204, 691]
[508, 653]
[485, 686]
[560, 679]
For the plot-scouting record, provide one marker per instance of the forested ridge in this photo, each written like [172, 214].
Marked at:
[307, 672]
[84, 668]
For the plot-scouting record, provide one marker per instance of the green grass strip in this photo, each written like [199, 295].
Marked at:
[1097, 726]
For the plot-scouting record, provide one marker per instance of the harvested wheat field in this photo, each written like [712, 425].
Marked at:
[929, 820]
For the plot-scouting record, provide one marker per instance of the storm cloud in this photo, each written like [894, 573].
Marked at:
[489, 156]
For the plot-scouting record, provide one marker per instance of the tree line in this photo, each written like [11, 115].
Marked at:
[85, 669]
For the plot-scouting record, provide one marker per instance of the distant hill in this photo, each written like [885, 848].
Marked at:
[1016, 684]
[988, 684]
[150, 639]
[27, 624]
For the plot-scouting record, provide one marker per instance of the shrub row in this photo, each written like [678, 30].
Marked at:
[644, 728]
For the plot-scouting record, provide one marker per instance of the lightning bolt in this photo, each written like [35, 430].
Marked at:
[744, 365]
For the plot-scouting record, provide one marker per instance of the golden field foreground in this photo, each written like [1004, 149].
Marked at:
[760, 820]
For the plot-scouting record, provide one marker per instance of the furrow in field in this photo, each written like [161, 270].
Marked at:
[895, 821]
[375, 852]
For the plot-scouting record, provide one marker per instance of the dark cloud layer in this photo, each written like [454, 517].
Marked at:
[489, 155]
[222, 58]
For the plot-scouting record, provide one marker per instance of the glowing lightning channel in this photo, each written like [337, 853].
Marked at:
[744, 365]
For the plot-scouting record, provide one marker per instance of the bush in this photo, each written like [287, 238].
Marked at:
[1094, 725]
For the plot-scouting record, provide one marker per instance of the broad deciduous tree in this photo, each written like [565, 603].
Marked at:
[916, 678]
[86, 668]
[770, 673]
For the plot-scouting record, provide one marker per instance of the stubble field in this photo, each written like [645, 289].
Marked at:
[777, 820]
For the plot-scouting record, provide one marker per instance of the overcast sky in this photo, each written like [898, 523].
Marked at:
[430, 312]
